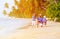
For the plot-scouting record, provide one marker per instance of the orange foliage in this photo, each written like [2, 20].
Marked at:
[27, 7]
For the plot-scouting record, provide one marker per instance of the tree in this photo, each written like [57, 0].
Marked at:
[4, 12]
[27, 7]
[6, 5]
[53, 9]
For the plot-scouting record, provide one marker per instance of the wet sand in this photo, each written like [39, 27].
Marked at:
[50, 31]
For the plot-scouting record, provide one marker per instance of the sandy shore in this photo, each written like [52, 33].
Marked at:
[51, 31]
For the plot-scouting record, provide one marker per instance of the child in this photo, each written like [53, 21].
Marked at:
[33, 20]
[44, 20]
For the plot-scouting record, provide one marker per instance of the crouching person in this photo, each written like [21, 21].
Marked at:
[40, 21]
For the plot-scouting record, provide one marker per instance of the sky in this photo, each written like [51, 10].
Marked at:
[10, 2]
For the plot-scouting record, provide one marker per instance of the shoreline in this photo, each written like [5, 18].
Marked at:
[51, 31]
[9, 25]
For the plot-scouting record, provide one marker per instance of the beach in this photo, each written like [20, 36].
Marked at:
[7, 24]
[50, 31]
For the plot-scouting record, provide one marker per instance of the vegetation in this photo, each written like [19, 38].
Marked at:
[53, 10]
[6, 5]
[4, 12]
[25, 8]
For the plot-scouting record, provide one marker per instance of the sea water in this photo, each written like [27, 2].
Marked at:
[7, 25]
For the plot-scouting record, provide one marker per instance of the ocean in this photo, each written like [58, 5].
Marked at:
[7, 25]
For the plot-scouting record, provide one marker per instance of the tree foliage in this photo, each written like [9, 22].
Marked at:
[6, 5]
[27, 7]
[53, 9]
[4, 12]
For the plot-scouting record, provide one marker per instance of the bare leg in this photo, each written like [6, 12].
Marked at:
[41, 24]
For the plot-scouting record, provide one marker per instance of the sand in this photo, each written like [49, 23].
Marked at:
[50, 31]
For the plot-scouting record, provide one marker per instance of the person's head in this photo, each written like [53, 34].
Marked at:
[44, 16]
[40, 15]
[33, 14]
